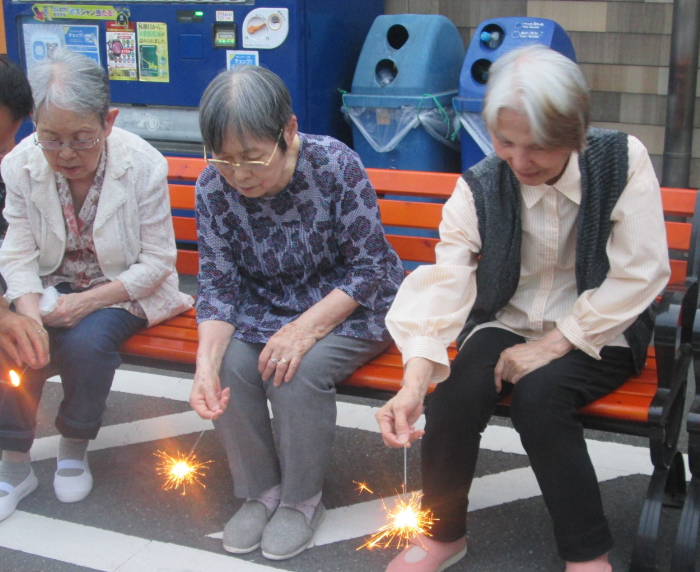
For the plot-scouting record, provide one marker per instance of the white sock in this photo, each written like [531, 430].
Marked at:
[306, 507]
[270, 498]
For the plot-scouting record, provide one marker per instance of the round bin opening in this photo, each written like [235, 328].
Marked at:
[480, 71]
[397, 36]
[492, 36]
[386, 72]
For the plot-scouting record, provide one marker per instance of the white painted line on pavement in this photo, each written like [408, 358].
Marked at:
[110, 551]
[608, 458]
[143, 431]
[365, 518]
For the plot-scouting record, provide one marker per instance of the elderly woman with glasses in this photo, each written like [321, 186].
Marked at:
[88, 213]
[552, 251]
[295, 279]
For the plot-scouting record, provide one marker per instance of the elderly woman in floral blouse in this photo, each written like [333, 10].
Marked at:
[296, 277]
[88, 213]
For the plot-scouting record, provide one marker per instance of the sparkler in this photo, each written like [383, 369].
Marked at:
[361, 487]
[406, 520]
[181, 470]
[15, 378]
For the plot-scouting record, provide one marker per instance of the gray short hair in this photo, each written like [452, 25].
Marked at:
[545, 86]
[247, 101]
[70, 81]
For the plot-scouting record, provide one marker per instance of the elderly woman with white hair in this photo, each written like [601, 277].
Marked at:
[552, 252]
[296, 277]
[88, 212]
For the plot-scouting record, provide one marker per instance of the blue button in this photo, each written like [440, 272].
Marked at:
[191, 47]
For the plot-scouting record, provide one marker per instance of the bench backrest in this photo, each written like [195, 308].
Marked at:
[406, 213]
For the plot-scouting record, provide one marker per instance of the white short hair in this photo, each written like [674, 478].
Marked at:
[545, 86]
[70, 81]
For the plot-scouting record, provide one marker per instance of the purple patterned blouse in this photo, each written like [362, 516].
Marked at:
[265, 261]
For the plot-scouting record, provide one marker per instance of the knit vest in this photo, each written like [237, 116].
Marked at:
[497, 198]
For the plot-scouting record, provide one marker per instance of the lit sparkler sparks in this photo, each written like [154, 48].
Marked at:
[361, 487]
[15, 378]
[181, 470]
[406, 521]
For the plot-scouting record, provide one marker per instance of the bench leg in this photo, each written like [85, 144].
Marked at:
[685, 552]
[665, 484]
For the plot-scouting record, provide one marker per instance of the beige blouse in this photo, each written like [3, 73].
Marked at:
[434, 302]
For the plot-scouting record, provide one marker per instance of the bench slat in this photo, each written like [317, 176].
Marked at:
[414, 248]
[185, 228]
[678, 202]
[410, 214]
[187, 262]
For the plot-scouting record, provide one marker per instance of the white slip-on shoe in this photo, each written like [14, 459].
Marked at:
[8, 503]
[72, 489]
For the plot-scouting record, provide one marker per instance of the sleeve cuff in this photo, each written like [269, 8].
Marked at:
[571, 330]
[432, 349]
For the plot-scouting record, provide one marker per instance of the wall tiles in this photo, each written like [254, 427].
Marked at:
[643, 108]
[395, 6]
[630, 79]
[423, 6]
[470, 13]
[638, 18]
[651, 135]
[628, 49]
[605, 106]
[572, 16]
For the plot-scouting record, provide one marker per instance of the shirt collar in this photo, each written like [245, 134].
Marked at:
[569, 185]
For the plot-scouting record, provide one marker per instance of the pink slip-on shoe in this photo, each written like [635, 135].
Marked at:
[591, 566]
[428, 555]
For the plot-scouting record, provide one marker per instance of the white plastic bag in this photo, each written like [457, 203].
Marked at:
[48, 301]
[384, 127]
[474, 124]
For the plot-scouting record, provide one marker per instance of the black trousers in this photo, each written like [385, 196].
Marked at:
[543, 411]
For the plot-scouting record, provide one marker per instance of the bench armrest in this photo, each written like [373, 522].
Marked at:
[675, 325]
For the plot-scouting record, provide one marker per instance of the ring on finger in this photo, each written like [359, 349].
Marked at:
[284, 361]
[274, 360]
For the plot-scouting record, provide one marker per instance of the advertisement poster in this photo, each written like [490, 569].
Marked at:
[241, 58]
[153, 52]
[48, 12]
[121, 51]
[42, 40]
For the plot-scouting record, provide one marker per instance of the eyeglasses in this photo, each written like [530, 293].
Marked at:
[75, 145]
[249, 165]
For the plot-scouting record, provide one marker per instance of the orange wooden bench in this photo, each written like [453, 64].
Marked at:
[650, 404]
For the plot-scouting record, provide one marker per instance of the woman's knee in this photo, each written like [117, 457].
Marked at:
[538, 406]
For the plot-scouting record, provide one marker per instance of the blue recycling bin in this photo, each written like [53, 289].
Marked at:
[491, 40]
[401, 99]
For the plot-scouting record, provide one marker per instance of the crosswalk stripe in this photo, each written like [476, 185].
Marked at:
[109, 551]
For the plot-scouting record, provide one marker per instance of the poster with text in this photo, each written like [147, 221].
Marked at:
[121, 51]
[42, 40]
[152, 40]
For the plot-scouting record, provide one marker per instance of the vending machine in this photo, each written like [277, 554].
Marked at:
[161, 55]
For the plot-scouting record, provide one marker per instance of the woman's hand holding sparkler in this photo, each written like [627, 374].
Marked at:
[397, 416]
[206, 397]
[23, 338]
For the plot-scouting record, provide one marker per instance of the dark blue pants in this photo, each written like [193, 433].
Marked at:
[543, 411]
[85, 357]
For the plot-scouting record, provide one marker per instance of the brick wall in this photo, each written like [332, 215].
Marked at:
[623, 48]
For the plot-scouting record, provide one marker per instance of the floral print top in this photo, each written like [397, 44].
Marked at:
[265, 261]
[80, 267]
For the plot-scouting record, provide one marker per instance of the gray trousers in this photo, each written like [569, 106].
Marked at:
[304, 415]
